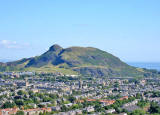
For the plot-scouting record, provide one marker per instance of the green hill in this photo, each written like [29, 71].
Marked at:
[75, 60]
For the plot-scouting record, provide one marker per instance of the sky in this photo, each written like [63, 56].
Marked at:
[129, 29]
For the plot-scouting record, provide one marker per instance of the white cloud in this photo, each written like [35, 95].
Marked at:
[12, 44]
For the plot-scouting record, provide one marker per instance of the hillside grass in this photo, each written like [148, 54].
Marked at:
[51, 68]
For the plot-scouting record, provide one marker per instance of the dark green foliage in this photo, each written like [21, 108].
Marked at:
[8, 105]
[19, 102]
[99, 108]
[138, 95]
[72, 99]
[156, 94]
[154, 108]
[137, 112]
[119, 103]
[20, 92]
[142, 103]
[20, 113]
[64, 108]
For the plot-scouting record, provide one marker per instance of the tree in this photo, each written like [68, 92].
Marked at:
[64, 108]
[116, 84]
[40, 113]
[46, 99]
[119, 110]
[154, 108]
[20, 113]
[138, 112]
[53, 96]
[72, 99]
[98, 108]
[19, 102]
[138, 95]
[20, 92]
[8, 105]
[142, 103]
[41, 106]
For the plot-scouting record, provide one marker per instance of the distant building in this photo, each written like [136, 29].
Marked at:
[143, 82]
[8, 111]
[57, 108]
[36, 111]
[123, 98]
[89, 109]
[80, 84]
[107, 102]
[122, 114]
[26, 82]
[110, 111]
[13, 111]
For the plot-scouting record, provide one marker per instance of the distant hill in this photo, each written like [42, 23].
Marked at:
[75, 60]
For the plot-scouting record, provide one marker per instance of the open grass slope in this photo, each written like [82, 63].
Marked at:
[75, 60]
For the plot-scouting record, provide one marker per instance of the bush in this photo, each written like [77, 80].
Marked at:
[20, 113]
[8, 105]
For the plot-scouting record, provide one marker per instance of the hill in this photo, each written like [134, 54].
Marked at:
[75, 60]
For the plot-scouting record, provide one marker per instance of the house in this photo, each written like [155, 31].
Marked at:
[68, 105]
[35, 90]
[131, 103]
[89, 100]
[123, 98]
[131, 108]
[36, 111]
[122, 114]
[57, 108]
[110, 111]
[103, 102]
[107, 102]
[33, 105]
[45, 103]
[89, 109]
[78, 112]
[8, 111]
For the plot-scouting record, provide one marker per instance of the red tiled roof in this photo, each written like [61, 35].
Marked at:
[14, 110]
[108, 102]
[91, 99]
[9, 110]
[38, 109]
[123, 98]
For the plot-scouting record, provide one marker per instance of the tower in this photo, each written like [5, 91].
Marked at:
[80, 84]
[26, 82]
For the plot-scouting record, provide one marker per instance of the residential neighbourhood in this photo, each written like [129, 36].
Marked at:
[50, 93]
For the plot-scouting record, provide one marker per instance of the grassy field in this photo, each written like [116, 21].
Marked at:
[51, 68]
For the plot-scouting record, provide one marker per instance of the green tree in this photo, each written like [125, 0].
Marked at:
[98, 108]
[64, 108]
[19, 102]
[71, 99]
[154, 108]
[138, 95]
[20, 92]
[138, 112]
[142, 103]
[8, 105]
[20, 113]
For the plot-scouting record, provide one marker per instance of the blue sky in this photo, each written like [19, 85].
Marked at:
[129, 29]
